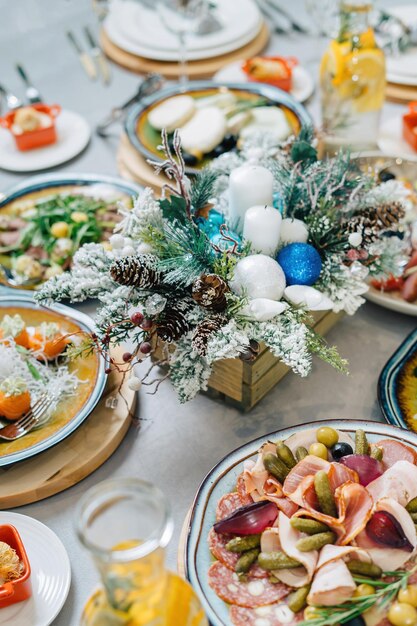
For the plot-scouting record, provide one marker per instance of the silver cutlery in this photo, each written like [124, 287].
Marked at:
[25, 424]
[208, 22]
[12, 101]
[32, 94]
[8, 279]
[148, 86]
[295, 26]
[279, 24]
[85, 59]
[97, 54]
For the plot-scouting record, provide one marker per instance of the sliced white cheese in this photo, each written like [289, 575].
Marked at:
[172, 113]
[238, 121]
[224, 98]
[269, 120]
[204, 131]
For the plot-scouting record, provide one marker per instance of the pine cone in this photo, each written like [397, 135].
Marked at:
[251, 352]
[371, 221]
[209, 292]
[136, 271]
[204, 330]
[173, 324]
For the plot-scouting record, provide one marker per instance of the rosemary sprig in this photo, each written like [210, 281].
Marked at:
[385, 592]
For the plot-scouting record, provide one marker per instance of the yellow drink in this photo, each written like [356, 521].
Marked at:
[352, 80]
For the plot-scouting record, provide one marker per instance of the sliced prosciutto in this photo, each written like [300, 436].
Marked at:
[399, 482]
[394, 451]
[228, 504]
[217, 544]
[250, 594]
[331, 553]
[272, 615]
[244, 496]
[389, 559]
[332, 584]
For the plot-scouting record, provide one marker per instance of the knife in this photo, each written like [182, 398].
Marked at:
[85, 59]
[97, 54]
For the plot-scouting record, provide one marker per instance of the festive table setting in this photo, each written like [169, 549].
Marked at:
[207, 313]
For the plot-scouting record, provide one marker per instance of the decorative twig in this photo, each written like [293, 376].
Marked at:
[174, 169]
[227, 237]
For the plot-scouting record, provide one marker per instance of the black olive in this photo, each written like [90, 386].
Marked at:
[217, 151]
[356, 621]
[341, 449]
[385, 175]
[189, 159]
[229, 142]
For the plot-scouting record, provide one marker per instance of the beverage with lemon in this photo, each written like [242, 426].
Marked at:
[352, 80]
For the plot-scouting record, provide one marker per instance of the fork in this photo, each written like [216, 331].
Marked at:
[26, 423]
[8, 280]
[32, 93]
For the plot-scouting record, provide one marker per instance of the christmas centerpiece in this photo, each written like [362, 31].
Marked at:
[237, 258]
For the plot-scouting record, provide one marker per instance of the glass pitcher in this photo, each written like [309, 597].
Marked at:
[352, 81]
[126, 525]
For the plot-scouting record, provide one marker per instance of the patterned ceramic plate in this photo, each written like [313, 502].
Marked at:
[222, 479]
[71, 411]
[146, 139]
[17, 200]
[397, 385]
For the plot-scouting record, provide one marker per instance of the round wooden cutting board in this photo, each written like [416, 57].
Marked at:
[400, 93]
[196, 69]
[77, 456]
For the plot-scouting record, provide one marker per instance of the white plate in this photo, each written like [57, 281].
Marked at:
[158, 54]
[403, 65]
[51, 574]
[391, 301]
[73, 135]
[390, 139]
[302, 88]
[144, 27]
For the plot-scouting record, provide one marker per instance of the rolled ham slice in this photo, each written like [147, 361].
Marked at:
[332, 584]
[387, 558]
[394, 451]
[398, 482]
[332, 553]
[288, 537]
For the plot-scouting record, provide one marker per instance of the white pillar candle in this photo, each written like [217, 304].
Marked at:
[249, 185]
[262, 224]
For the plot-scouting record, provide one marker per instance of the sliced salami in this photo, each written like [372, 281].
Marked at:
[217, 545]
[250, 594]
[228, 504]
[271, 615]
[241, 489]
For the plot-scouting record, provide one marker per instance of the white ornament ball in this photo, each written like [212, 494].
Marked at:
[293, 231]
[263, 309]
[117, 241]
[355, 239]
[128, 251]
[309, 297]
[144, 248]
[134, 383]
[258, 276]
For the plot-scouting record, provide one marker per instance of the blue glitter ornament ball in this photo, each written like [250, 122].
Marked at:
[301, 263]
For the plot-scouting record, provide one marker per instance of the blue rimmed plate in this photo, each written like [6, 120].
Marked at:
[222, 479]
[102, 187]
[146, 139]
[397, 385]
[70, 412]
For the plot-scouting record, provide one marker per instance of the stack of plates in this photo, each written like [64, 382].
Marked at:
[135, 36]
[402, 68]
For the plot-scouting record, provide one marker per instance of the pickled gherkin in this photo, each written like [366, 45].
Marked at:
[275, 466]
[276, 560]
[285, 454]
[301, 453]
[241, 544]
[309, 526]
[324, 494]
[364, 569]
[361, 442]
[412, 505]
[315, 542]
[297, 601]
[246, 561]
[377, 453]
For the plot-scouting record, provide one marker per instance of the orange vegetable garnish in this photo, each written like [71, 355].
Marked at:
[12, 407]
[22, 339]
[48, 342]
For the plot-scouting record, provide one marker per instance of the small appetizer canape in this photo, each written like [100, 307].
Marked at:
[410, 125]
[14, 327]
[275, 71]
[14, 398]
[15, 585]
[32, 126]
[48, 340]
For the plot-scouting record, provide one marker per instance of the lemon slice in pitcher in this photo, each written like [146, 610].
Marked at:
[367, 69]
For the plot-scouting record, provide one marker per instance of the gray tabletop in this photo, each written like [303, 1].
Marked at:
[176, 445]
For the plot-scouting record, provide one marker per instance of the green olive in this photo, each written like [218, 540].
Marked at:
[318, 449]
[402, 614]
[328, 436]
[363, 590]
[408, 595]
[311, 612]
